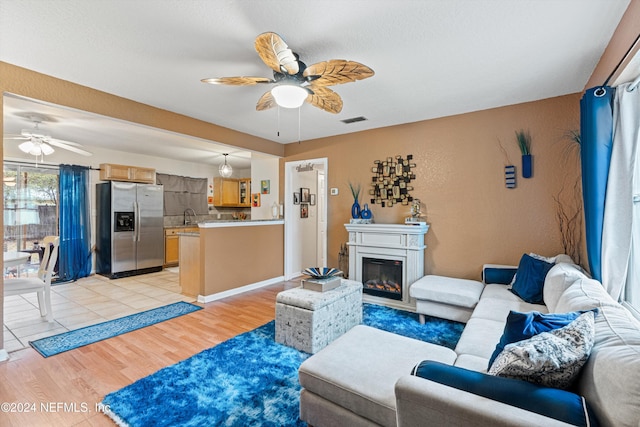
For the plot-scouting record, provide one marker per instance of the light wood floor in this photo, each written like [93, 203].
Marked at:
[63, 390]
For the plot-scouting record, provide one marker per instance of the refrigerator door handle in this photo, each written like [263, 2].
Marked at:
[136, 232]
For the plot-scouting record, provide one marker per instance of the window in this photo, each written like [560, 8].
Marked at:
[30, 205]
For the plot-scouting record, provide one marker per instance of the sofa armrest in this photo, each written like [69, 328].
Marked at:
[420, 401]
[498, 273]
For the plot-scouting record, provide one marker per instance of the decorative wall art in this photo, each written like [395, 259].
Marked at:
[304, 195]
[510, 176]
[265, 186]
[255, 200]
[312, 199]
[391, 179]
[304, 210]
[296, 198]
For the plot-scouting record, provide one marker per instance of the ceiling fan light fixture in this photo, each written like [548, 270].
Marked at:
[289, 96]
[27, 146]
[46, 148]
[225, 169]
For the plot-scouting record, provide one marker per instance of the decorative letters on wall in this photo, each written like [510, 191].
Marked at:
[390, 181]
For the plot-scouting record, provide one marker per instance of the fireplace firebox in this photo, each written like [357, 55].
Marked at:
[382, 278]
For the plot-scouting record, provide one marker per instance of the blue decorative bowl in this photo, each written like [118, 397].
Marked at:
[322, 272]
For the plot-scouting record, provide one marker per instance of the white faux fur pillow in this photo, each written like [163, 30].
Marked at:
[552, 359]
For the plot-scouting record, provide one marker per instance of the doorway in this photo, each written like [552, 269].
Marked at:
[306, 216]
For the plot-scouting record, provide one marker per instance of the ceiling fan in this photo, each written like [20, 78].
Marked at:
[297, 83]
[39, 144]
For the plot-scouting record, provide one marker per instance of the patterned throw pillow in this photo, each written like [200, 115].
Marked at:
[552, 359]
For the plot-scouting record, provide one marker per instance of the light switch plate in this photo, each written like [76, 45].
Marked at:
[334, 191]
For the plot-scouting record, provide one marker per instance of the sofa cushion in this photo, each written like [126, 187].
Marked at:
[522, 326]
[610, 380]
[584, 294]
[498, 308]
[447, 290]
[551, 402]
[553, 358]
[479, 337]
[529, 279]
[358, 372]
[558, 279]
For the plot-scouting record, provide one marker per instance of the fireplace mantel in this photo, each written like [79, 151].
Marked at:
[391, 242]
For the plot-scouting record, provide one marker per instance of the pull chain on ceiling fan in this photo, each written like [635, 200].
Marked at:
[297, 83]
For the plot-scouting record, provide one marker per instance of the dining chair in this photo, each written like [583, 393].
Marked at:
[40, 284]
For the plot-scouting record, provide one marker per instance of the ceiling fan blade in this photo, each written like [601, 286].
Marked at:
[237, 81]
[325, 99]
[22, 138]
[265, 102]
[276, 54]
[336, 71]
[71, 146]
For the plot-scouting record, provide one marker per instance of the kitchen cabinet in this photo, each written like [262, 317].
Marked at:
[172, 244]
[244, 186]
[232, 192]
[113, 172]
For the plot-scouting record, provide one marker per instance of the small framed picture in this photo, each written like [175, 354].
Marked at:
[296, 198]
[255, 200]
[304, 195]
[312, 199]
[304, 210]
[265, 186]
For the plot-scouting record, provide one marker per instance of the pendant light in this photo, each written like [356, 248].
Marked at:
[225, 169]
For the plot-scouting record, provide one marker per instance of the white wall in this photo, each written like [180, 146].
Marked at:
[265, 168]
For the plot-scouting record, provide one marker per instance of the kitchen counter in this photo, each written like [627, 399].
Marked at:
[238, 223]
[229, 257]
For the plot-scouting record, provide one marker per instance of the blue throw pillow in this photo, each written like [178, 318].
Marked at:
[522, 326]
[551, 402]
[530, 278]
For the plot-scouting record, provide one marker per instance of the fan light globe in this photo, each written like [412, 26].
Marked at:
[289, 96]
[225, 169]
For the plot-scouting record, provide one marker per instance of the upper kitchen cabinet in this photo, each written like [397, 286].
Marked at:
[232, 192]
[112, 172]
[244, 186]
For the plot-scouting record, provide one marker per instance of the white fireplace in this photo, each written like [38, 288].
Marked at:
[396, 249]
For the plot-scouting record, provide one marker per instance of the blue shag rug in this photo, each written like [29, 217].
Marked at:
[248, 380]
[90, 334]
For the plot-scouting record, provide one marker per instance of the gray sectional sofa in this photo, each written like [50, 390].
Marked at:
[364, 377]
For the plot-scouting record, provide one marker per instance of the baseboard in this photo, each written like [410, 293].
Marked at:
[220, 295]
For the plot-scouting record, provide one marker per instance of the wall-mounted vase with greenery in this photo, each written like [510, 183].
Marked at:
[355, 208]
[524, 142]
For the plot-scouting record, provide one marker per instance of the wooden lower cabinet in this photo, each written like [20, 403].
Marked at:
[172, 244]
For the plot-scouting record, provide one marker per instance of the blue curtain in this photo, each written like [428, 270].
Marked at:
[75, 229]
[596, 129]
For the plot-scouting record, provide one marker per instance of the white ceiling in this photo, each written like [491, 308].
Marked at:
[432, 58]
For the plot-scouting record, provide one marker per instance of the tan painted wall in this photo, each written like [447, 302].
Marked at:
[474, 218]
[232, 257]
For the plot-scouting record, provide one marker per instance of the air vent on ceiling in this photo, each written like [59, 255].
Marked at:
[354, 120]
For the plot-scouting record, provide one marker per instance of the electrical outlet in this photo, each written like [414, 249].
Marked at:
[334, 191]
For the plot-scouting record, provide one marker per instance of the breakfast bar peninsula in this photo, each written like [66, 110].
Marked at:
[225, 258]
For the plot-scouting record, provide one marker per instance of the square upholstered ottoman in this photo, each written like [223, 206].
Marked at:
[309, 320]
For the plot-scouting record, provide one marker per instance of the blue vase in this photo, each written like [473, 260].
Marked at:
[355, 210]
[527, 166]
[365, 213]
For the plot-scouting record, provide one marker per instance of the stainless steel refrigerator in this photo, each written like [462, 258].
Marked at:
[130, 234]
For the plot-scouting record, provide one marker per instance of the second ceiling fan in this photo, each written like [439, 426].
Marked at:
[297, 82]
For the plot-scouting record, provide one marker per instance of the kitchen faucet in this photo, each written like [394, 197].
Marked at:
[188, 213]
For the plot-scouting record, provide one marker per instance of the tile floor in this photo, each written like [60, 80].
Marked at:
[88, 301]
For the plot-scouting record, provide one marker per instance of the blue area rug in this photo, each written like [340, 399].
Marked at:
[247, 380]
[90, 334]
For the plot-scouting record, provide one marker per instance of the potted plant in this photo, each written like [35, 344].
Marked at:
[524, 143]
